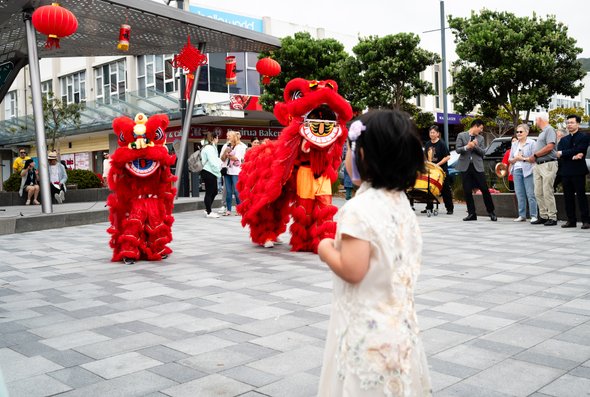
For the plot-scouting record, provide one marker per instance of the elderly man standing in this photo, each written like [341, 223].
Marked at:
[545, 170]
[571, 150]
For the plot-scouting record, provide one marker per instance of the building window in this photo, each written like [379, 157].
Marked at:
[73, 87]
[217, 72]
[111, 81]
[155, 72]
[46, 88]
[10, 105]
[252, 76]
[437, 86]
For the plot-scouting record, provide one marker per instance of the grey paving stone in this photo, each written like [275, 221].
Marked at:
[177, 372]
[162, 353]
[75, 377]
[67, 358]
[568, 386]
[250, 376]
[122, 364]
[212, 385]
[36, 386]
[298, 385]
[463, 389]
[133, 385]
[113, 347]
[501, 377]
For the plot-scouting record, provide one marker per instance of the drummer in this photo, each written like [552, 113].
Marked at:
[437, 152]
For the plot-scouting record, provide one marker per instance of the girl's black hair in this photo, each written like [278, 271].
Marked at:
[392, 150]
[28, 162]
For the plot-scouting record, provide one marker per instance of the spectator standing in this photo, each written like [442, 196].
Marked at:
[522, 170]
[471, 147]
[106, 167]
[29, 182]
[19, 163]
[507, 163]
[571, 151]
[57, 177]
[232, 155]
[437, 152]
[346, 180]
[211, 171]
[545, 158]
[373, 345]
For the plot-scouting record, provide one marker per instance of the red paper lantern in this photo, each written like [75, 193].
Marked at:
[230, 70]
[268, 68]
[55, 22]
[124, 32]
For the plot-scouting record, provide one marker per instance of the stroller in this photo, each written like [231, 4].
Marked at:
[428, 187]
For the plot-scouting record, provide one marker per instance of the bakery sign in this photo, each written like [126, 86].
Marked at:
[247, 132]
[244, 102]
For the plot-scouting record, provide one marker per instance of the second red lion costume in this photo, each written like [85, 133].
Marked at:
[292, 176]
[142, 195]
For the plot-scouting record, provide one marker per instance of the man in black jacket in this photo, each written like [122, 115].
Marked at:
[571, 152]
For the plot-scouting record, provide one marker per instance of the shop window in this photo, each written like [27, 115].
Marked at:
[73, 87]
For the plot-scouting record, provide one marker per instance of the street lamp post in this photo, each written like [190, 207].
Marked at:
[444, 72]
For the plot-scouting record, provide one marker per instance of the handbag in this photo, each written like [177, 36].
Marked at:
[224, 168]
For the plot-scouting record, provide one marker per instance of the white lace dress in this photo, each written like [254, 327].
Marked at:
[373, 347]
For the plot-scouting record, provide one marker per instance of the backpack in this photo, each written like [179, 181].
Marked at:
[195, 164]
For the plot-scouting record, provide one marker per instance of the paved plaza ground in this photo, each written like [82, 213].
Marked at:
[504, 308]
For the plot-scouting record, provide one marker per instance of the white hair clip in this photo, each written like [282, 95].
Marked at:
[355, 130]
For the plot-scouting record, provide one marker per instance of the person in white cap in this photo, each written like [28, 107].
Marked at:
[58, 178]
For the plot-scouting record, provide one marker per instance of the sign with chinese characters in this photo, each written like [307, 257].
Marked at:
[244, 102]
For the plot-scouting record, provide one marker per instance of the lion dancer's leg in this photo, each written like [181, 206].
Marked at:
[158, 230]
[302, 213]
[323, 215]
[131, 238]
[269, 222]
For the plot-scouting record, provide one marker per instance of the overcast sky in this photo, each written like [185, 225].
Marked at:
[382, 17]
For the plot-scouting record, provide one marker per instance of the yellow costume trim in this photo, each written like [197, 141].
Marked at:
[309, 187]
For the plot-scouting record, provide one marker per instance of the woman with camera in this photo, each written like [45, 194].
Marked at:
[522, 171]
[30, 182]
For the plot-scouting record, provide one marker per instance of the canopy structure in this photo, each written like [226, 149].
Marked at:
[155, 29]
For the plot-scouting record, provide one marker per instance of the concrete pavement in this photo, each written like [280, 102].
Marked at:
[504, 308]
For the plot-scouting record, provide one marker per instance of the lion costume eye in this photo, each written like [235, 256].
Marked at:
[159, 135]
[296, 95]
[121, 137]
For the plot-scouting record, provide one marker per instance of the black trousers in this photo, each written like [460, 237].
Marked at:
[447, 195]
[54, 188]
[475, 179]
[575, 185]
[210, 188]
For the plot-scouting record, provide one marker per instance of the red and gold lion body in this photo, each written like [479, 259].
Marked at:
[142, 197]
[292, 176]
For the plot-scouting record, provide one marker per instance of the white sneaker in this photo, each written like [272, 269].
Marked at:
[212, 215]
[205, 213]
[268, 244]
[58, 198]
[533, 219]
[520, 219]
[62, 195]
[278, 241]
[222, 210]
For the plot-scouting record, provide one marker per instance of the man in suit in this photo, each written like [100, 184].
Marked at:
[545, 170]
[571, 151]
[471, 147]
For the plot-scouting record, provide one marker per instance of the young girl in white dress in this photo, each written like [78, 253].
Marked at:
[373, 347]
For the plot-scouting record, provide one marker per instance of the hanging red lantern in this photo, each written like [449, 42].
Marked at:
[55, 22]
[230, 70]
[268, 68]
[124, 32]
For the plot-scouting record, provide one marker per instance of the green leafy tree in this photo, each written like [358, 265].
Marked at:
[302, 56]
[386, 70]
[557, 116]
[512, 63]
[59, 117]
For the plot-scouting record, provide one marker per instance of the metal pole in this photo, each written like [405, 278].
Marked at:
[46, 205]
[444, 72]
[186, 123]
[182, 172]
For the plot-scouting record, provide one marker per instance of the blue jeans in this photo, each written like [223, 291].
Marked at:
[524, 187]
[230, 189]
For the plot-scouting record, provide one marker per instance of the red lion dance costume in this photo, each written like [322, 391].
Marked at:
[142, 195]
[293, 176]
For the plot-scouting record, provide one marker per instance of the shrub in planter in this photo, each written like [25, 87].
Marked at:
[85, 179]
[12, 184]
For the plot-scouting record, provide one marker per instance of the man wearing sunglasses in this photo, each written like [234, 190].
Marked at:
[19, 162]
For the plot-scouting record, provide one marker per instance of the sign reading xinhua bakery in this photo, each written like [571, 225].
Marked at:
[247, 132]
